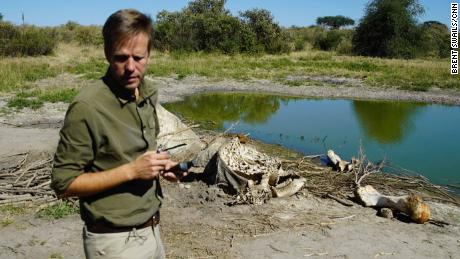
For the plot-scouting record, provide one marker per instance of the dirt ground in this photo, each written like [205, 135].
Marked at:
[197, 221]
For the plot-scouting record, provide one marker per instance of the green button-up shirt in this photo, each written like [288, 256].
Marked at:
[105, 128]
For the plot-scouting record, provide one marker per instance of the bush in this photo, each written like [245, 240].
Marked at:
[299, 44]
[435, 40]
[202, 29]
[88, 35]
[345, 47]
[82, 35]
[388, 29]
[66, 32]
[334, 40]
[268, 33]
[26, 40]
[205, 25]
[304, 37]
[328, 40]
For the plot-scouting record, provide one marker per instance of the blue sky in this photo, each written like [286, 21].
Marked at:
[286, 12]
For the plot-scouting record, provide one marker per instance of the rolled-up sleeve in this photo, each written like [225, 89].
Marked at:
[75, 149]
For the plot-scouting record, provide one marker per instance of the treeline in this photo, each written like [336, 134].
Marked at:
[25, 40]
[29, 40]
[389, 28]
[205, 25]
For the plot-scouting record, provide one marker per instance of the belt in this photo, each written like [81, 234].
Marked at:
[101, 228]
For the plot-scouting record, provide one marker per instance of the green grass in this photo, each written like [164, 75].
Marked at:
[58, 210]
[14, 75]
[91, 69]
[417, 74]
[60, 95]
[20, 103]
[36, 98]
[9, 212]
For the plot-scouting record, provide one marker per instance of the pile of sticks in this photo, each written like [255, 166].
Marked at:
[325, 182]
[23, 179]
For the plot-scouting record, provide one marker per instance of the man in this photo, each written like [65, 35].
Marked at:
[107, 150]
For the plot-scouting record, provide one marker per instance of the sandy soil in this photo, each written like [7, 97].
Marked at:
[198, 223]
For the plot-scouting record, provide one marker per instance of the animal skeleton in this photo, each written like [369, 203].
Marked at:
[264, 175]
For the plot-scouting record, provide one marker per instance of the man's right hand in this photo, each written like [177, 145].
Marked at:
[149, 165]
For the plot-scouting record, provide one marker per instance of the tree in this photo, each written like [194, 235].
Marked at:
[335, 22]
[269, 35]
[215, 7]
[388, 29]
[205, 25]
[1, 17]
[435, 40]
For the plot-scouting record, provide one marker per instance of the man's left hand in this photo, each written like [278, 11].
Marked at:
[172, 173]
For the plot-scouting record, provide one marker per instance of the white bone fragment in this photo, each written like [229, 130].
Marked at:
[289, 189]
[333, 157]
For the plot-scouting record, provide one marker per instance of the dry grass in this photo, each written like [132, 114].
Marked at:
[18, 73]
[418, 74]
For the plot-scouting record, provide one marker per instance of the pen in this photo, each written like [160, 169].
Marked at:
[159, 149]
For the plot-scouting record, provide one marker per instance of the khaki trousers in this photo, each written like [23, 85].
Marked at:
[135, 244]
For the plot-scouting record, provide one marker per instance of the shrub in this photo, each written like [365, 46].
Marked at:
[334, 40]
[205, 25]
[345, 47]
[89, 35]
[304, 37]
[80, 34]
[388, 29]
[299, 44]
[328, 40]
[268, 33]
[66, 32]
[26, 40]
[435, 40]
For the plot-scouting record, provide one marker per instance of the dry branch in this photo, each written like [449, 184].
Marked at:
[25, 179]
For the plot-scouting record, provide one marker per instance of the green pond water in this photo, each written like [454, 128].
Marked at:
[422, 138]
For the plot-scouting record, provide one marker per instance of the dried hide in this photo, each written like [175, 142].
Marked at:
[174, 132]
[254, 176]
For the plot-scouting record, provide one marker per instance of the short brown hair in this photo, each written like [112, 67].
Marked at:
[123, 25]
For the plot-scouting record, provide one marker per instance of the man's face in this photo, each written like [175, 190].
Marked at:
[128, 61]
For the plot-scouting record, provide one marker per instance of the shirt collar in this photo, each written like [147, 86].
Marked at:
[125, 96]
